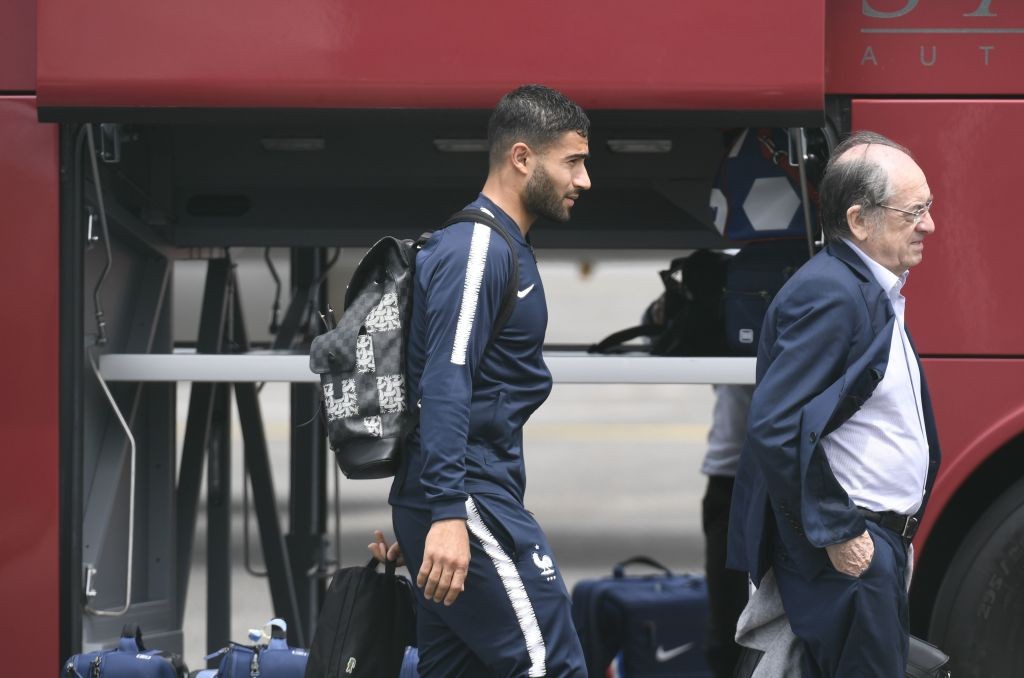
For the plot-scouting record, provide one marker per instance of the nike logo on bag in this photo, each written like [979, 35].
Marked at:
[663, 655]
[522, 293]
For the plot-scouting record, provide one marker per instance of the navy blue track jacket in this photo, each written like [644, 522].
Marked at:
[472, 404]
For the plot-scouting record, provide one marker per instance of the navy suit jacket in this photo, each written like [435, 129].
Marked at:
[824, 347]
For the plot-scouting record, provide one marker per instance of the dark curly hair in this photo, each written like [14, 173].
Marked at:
[536, 115]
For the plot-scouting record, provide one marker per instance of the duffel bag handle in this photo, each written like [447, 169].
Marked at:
[389, 567]
[619, 570]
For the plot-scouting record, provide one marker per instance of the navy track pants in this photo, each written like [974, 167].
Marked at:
[514, 617]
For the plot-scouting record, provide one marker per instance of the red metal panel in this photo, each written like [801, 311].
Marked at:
[17, 45]
[979, 407]
[925, 47]
[29, 501]
[965, 295]
[658, 54]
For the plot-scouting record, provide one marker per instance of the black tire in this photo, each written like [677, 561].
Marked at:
[978, 618]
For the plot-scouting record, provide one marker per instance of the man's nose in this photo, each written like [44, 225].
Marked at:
[927, 224]
[582, 179]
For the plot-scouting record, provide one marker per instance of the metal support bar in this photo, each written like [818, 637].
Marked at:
[278, 567]
[257, 459]
[566, 367]
[197, 428]
[71, 337]
[307, 512]
[218, 517]
[292, 318]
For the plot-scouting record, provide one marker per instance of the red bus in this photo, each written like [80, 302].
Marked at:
[137, 133]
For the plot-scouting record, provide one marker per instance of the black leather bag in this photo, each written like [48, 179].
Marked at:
[686, 320]
[926, 661]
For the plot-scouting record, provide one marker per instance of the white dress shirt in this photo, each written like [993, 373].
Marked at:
[880, 454]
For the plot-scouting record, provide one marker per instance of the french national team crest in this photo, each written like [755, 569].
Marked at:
[544, 563]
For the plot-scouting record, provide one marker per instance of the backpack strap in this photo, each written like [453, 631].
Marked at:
[615, 340]
[508, 303]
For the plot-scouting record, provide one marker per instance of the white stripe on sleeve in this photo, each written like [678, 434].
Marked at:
[471, 291]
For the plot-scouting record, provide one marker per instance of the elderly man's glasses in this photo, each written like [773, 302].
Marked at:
[915, 215]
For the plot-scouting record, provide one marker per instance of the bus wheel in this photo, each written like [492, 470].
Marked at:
[978, 618]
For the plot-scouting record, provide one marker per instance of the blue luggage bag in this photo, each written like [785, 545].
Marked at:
[651, 625]
[130, 659]
[269, 657]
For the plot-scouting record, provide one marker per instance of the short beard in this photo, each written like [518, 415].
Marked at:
[541, 198]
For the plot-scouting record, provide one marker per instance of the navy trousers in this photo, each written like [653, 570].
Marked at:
[851, 627]
[514, 617]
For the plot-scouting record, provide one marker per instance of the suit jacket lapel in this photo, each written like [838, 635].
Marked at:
[875, 297]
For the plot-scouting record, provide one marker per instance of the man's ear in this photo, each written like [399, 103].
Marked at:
[858, 223]
[522, 157]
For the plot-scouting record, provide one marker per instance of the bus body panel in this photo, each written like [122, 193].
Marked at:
[29, 484]
[17, 46]
[925, 47]
[963, 296]
[979, 408]
[670, 55]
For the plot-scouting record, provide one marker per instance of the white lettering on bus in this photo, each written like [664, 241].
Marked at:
[870, 58]
[984, 9]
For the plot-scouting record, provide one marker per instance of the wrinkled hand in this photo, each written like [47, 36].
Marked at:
[442, 575]
[852, 557]
[382, 552]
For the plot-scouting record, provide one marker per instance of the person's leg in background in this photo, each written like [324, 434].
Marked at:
[727, 589]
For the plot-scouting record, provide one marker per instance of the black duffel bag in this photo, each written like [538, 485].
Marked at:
[367, 620]
[686, 320]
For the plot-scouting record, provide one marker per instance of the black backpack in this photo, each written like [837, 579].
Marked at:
[367, 620]
[686, 320]
[361, 362]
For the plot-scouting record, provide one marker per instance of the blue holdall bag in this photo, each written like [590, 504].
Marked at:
[270, 656]
[643, 625]
[130, 659]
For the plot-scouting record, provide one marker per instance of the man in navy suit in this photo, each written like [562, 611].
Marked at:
[841, 447]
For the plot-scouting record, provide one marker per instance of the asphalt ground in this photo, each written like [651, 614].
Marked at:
[613, 470]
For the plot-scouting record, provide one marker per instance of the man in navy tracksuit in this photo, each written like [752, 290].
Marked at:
[493, 599]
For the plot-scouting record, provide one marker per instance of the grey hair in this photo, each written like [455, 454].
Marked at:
[853, 180]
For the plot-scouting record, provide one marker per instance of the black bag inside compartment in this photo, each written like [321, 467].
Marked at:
[755, 275]
[686, 320]
[367, 620]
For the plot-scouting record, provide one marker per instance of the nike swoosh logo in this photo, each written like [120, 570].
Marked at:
[663, 655]
[523, 293]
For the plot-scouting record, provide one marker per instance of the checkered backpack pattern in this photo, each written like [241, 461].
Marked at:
[361, 362]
